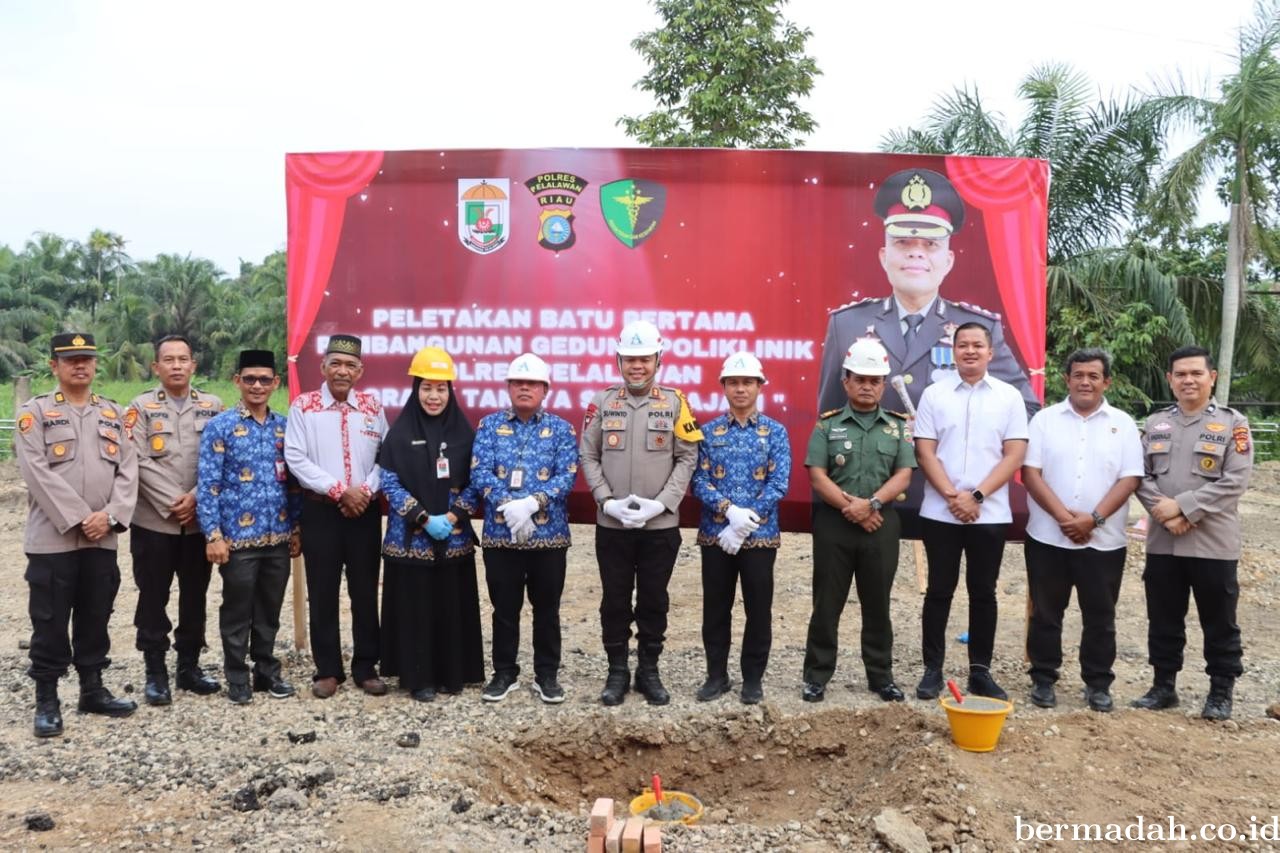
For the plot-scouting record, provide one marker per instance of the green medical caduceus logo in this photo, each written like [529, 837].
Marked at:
[632, 209]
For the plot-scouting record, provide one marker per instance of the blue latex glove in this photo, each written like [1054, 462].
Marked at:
[439, 526]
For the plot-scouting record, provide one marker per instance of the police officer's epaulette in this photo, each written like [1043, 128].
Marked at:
[855, 303]
[829, 413]
[978, 309]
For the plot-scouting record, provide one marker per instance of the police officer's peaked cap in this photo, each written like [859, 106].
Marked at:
[919, 203]
[256, 358]
[70, 344]
[344, 345]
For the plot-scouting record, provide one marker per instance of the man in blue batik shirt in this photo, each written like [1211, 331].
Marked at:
[744, 464]
[249, 510]
[524, 462]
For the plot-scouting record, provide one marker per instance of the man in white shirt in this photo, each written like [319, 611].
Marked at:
[331, 446]
[1084, 460]
[970, 439]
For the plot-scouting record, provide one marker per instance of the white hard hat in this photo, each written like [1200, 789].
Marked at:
[867, 357]
[639, 337]
[529, 367]
[742, 364]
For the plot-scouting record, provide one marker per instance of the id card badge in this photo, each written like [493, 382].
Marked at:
[442, 468]
[517, 478]
[280, 471]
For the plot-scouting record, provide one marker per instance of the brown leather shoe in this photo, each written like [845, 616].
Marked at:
[374, 686]
[324, 687]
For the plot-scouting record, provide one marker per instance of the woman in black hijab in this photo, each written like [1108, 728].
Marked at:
[430, 600]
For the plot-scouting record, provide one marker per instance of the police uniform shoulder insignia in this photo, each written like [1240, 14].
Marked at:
[902, 416]
[26, 422]
[978, 309]
[1240, 435]
[854, 303]
[830, 413]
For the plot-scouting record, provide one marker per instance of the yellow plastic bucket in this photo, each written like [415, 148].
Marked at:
[641, 804]
[976, 724]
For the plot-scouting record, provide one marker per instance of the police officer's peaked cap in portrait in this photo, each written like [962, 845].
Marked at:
[70, 344]
[919, 203]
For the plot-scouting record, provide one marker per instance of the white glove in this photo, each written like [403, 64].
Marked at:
[730, 541]
[649, 509]
[521, 533]
[619, 510]
[519, 511]
[742, 520]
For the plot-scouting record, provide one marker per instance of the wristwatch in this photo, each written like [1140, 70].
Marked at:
[1098, 519]
[111, 520]
[978, 496]
[875, 503]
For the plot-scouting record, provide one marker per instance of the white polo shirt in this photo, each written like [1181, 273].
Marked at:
[1081, 459]
[971, 423]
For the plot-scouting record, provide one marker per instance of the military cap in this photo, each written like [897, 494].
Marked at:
[919, 203]
[256, 358]
[70, 344]
[343, 344]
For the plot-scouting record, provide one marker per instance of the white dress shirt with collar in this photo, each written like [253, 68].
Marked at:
[330, 446]
[971, 423]
[1080, 459]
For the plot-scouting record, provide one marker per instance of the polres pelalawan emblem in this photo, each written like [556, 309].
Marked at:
[484, 213]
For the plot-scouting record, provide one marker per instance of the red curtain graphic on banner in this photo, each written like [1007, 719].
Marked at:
[491, 253]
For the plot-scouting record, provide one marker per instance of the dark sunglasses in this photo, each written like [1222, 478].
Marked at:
[257, 380]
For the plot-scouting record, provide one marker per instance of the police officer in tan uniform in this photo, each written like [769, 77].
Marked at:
[1198, 458]
[82, 481]
[638, 451]
[165, 424]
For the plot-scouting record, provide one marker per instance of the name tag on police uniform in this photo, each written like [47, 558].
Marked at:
[517, 478]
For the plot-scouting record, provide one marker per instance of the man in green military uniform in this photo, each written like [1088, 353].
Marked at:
[859, 459]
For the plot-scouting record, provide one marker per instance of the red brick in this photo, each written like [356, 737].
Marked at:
[653, 838]
[595, 844]
[632, 833]
[613, 840]
[601, 817]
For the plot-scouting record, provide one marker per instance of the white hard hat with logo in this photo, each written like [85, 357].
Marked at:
[529, 367]
[639, 337]
[867, 357]
[742, 364]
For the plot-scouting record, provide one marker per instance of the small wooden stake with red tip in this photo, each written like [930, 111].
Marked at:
[955, 691]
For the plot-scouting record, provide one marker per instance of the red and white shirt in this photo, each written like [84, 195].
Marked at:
[330, 446]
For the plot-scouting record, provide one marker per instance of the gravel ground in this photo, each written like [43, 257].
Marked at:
[348, 772]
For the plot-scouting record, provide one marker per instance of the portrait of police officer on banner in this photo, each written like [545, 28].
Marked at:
[921, 211]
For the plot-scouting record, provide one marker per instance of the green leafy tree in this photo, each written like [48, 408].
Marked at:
[725, 74]
[1239, 140]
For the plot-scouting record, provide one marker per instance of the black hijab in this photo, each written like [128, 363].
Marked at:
[412, 447]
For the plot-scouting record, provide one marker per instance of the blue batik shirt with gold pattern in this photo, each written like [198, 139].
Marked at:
[243, 491]
[514, 459]
[746, 465]
[402, 520]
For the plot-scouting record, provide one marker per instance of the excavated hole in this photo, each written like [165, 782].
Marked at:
[757, 767]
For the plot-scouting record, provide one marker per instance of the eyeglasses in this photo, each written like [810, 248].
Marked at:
[257, 380]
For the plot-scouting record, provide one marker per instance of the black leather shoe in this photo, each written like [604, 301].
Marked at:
[889, 693]
[1042, 695]
[752, 693]
[192, 678]
[156, 691]
[48, 722]
[649, 684]
[982, 684]
[98, 700]
[813, 692]
[713, 688]
[424, 694]
[930, 685]
[1217, 706]
[276, 687]
[239, 694]
[1159, 697]
[616, 686]
[1099, 699]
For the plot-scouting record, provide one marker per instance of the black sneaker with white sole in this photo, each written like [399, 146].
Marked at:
[499, 686]
[549, 690]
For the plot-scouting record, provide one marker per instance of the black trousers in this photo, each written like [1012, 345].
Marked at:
[253, 585]
[330, 541]
[1170, 581]
[721, 574]
[844, 553]
[509, 573]
[157, 557]
[1052, 572]
[76, 588]
[639, 562]
[983, 548]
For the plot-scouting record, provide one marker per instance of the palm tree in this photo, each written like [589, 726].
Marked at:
[1239, 138]
[101, 254]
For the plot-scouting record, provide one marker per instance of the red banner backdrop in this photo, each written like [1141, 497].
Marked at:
[491, 253]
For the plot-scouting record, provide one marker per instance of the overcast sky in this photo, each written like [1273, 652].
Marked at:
[168, 122]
